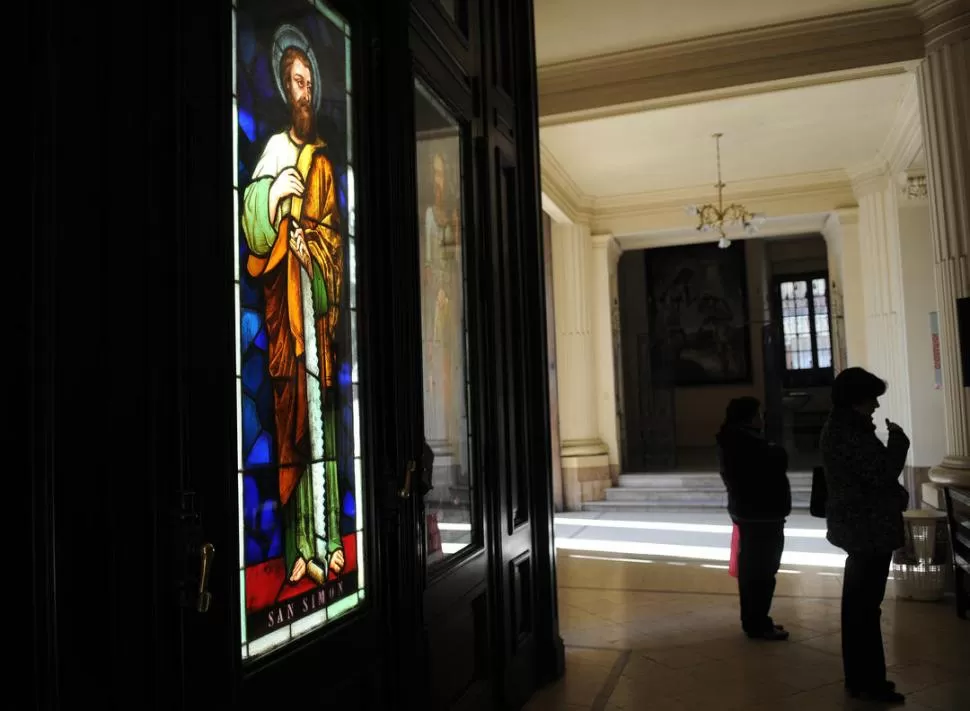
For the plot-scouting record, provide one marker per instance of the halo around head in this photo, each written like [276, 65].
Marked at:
[287, 36]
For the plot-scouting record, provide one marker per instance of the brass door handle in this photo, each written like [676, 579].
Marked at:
[405, 492]
[207, 552]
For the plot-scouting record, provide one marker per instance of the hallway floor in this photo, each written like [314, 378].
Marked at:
[646, 628]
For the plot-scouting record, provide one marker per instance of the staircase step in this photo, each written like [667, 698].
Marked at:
[672, 506]
[695, 481]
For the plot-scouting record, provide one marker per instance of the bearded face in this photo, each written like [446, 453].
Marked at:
[299, 88]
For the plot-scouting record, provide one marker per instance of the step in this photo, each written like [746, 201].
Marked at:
[672, 506]
[695, 481]
[626, 493]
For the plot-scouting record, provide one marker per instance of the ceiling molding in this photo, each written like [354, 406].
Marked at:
[559, 188]
[746, 191]
[806, 193]
[731, 92]
[944, 21]
[809, 198]
[870, 178]
[904, 143]
[788, 226]
[866, 38]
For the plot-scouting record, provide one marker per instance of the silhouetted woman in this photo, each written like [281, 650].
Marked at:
[759, 500]
[864, 515]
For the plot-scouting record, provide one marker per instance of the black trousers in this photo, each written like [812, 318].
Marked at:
[759, 556]
[863, 589]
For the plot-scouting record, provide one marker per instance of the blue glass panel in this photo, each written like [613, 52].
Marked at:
[264, 85]
[275, 548]
[248, 124]
[263, 531]
[342, 195]
[261, 453]
[253, 371]
[250, 501]
[254, 551]
[245, 41]
[348, 507]
[264, 406]
[249, 294]
[250, 423]
[260, 340]
[248, 328]
[344, 376]
[267, 516]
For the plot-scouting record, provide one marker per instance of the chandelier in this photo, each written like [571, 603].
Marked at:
[718, 218]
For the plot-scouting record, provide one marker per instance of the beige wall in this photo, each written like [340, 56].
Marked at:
[926, 402]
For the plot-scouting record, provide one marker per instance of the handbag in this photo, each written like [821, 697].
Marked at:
[735, 547]
[820, 493]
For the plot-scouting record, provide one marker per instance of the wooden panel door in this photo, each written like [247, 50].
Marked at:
[489, 585]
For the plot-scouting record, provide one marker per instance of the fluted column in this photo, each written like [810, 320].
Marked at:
[944, 88]
[882, 283]
[604, 300]
[585, 462]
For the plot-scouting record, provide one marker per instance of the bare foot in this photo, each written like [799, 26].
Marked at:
[337, 561]
[299, 570]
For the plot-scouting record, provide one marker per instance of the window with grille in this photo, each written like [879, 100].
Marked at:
[805, 323]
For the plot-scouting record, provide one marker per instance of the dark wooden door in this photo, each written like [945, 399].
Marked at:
[448, 322]
[289, 335]
[242, 305]
[485, 523]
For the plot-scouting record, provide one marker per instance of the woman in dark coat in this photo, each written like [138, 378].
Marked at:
[759, 501]
[864, 516]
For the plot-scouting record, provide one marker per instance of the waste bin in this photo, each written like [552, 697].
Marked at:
[921, 567]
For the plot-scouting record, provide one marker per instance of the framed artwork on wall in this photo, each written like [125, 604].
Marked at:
[698, 308]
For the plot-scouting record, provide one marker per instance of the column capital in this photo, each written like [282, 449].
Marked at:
[913, 187]
[609, 243]
[944, 22]
[952, 471]
[870, 179]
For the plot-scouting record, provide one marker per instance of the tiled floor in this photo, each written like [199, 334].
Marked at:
[636, 640]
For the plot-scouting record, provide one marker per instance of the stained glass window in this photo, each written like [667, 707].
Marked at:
[449, 524]
[805, 324]
[301, 527]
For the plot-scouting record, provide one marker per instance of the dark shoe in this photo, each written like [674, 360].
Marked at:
[772, 634]
[888, 686]
[884, 695]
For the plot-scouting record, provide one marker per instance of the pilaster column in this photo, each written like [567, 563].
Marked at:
[832, 234]
[944, 88]
[585, 460]
[882, 283]
[853, 294]
[604, 301]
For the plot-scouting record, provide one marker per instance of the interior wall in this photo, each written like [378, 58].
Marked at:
[926, 400]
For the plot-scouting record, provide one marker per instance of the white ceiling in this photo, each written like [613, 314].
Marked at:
[806, 130]
[571, 29]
